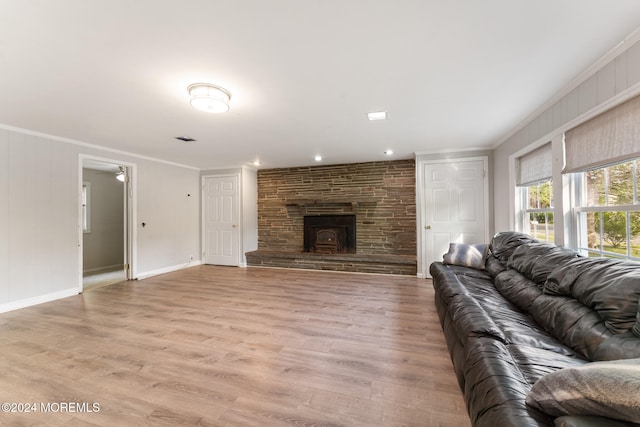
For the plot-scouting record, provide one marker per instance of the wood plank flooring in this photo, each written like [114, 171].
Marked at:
[225, 346]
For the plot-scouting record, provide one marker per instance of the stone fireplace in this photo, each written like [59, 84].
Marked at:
[371, 208]
[330, 234]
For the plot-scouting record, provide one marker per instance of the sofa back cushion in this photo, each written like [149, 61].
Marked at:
[503, 244]
[536, 260]
[517, 288]
[611, 287]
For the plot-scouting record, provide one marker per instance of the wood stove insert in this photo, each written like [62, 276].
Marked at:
[330, 234]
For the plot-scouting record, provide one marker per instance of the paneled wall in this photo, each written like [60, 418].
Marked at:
[608, 85]
[40, 216]
[382, 194]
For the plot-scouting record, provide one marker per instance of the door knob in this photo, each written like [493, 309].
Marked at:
[427, 227]
[235, 225]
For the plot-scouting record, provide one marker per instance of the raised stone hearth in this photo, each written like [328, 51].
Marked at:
[384, 264]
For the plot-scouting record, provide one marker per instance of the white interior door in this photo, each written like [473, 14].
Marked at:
[455, 202]
[221, 220]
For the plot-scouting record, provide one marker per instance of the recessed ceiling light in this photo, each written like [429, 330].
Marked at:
[388, 152]
[378, 115]
[257, 163]
[318, 158]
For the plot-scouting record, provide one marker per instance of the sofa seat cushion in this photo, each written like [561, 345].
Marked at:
[571, 322]
[471, 320]
[607, 389]
[446, 282]
[520, 330]
[535, 362]
[469, 272]
[495, 389]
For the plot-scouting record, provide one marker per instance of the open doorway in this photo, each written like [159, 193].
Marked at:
[105, 223]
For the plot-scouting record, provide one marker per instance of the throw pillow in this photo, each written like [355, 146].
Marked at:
[473, 256]
[606, 389]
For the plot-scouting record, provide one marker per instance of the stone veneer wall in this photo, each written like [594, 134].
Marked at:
[381, 194]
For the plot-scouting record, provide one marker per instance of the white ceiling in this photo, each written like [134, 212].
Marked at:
[303, 73]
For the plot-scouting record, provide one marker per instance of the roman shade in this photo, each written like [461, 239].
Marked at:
[535, 166]
[609, 138]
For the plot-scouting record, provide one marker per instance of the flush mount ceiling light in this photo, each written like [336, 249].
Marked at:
[209, 98]
[388, 152]
[318, 158]
[378, 115]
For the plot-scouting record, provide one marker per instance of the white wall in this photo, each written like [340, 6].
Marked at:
[39, 216]
[169, 205]
[608, 83]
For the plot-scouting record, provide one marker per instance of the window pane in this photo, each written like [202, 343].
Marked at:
[614, 231]
[541, 226]
[533, 225]
[593, 231]
[540, 196]
[621, 184]
[595, 187]
[533, 197]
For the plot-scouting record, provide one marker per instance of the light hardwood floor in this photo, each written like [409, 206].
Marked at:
[224, 346]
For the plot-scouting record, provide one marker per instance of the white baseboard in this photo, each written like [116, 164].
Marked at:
[147, 274]
[28, 302]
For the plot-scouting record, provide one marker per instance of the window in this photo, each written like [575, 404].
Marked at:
[535, 190]
[608, 210]
[537, 210]
[86, 201]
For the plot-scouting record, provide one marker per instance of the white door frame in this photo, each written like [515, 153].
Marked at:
[130, 232]
[203, 230]
[423, 270]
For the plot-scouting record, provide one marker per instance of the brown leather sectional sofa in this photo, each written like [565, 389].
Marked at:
[534, 309]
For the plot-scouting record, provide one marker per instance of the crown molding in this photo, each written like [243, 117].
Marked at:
[93, 146]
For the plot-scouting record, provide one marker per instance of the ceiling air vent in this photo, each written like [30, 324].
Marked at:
[185, 138]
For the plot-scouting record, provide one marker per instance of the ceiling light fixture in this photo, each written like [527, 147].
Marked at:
[318, 158]
[121, 176]
[378, 115]
[209, 98]
[388, 152]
